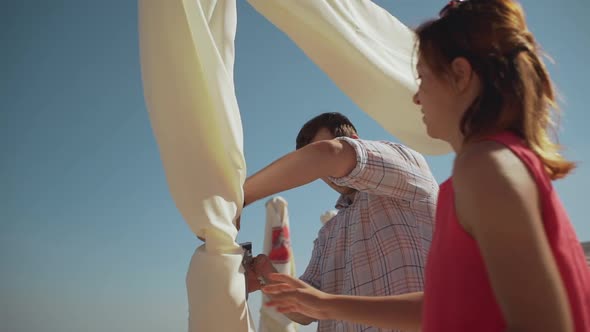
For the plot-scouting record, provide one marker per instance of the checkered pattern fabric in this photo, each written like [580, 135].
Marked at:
[378, 242]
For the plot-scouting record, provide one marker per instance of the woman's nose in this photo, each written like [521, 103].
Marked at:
[415, 99]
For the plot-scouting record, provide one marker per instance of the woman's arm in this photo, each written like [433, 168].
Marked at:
[261, 266]
[498, 203]
[396, 312]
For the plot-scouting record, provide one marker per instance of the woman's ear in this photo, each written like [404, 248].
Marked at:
[462, 73]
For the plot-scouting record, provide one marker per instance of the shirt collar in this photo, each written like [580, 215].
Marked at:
[345, 201]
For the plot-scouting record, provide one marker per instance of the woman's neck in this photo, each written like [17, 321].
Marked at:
[456, 141]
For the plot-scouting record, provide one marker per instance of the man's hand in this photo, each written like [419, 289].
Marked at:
[260, 269]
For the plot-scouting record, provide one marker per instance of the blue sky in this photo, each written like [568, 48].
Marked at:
[90, 239]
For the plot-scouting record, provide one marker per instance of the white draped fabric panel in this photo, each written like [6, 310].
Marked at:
[187, 56]
[278, 247]
[366, 52]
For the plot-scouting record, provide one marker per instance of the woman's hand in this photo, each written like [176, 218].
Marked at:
[291, 295]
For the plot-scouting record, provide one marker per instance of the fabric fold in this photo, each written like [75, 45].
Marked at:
[187, 58]
[368, 54]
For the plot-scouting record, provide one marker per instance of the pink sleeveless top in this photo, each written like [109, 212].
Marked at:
[458, 295]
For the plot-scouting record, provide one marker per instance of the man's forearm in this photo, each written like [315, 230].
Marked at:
[315, 161]
[393, 312]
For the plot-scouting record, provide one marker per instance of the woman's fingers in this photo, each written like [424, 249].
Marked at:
[288, 294]
[278, 303]
[284, 305]
[274, 289]
[292, 303]
[287, 279]
[286, 309]
[281, 294]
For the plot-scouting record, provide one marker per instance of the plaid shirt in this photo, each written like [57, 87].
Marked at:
[378, 242]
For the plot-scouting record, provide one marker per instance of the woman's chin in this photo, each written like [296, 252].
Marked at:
[431, 133]
[427, 126]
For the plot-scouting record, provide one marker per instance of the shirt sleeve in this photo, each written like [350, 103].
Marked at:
[388, 169]
[312, 274]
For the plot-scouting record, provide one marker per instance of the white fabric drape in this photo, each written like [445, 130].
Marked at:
[367, 53]
[187, 57]
[278, 247]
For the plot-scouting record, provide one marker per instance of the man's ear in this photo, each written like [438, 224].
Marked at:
[462, 73]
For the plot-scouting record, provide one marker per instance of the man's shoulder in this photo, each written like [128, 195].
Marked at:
[388, 143]
[377, 142]
[396, 148]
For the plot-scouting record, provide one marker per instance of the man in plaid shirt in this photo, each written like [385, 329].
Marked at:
[378, 242]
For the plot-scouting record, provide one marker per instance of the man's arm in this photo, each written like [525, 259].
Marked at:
[388, 169]
[315, 161]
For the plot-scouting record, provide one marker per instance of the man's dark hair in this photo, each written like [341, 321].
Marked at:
[338, 124]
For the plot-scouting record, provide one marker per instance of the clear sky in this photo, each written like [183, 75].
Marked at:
[90, 239]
